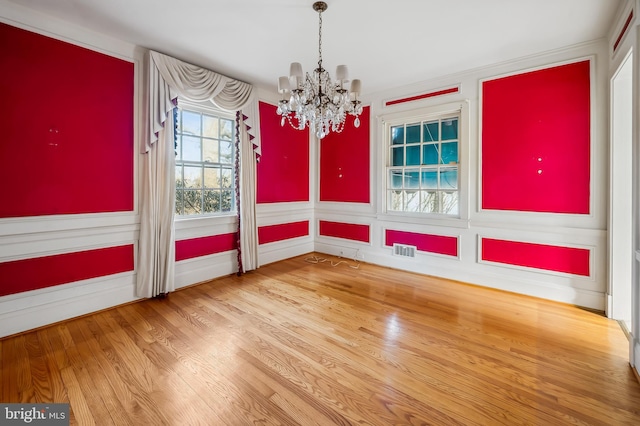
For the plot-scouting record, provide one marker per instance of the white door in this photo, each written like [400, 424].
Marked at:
[621, 251]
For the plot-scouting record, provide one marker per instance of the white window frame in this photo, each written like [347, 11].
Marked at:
[387, 121]
[218, 217]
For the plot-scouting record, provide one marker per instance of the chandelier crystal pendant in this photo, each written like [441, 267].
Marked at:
[316, 101]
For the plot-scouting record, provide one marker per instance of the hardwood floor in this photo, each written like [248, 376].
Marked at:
[295, 343]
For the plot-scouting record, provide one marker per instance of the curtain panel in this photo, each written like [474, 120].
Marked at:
[169, 78]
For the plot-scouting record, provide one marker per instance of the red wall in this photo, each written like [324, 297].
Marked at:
[570, 260]
[40, 272]
[67, 128]
[424, 242]
[283, 170]
[347, 231]
[282, 231]
[203, 246]
[344, 163]
[536, 141]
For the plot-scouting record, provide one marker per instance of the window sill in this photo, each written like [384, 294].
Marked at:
[420, 219]
[200, 221]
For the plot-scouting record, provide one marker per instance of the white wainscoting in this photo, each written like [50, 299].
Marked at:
[32, 309]
[205, 268]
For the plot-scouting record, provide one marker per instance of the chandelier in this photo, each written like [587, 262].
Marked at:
[316, 101]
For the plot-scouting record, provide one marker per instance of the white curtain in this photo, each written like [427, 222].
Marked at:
[169, 78]
[249, 156]
[156, 258]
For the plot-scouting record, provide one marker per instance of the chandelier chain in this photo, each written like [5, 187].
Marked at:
[320, 41]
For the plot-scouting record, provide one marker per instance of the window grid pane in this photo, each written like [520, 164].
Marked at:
[191, 123]
[397, 135]
[449, 129]
[226, 129]
[430, 132]
[413, 155]
[210, 127]
[433, 187]
[191, 148]
[449, 153]
[430, 153]
[413, 133]
[395, 179]
[211, 201]
[397, 155]
[210, 150]
[395, 200]
[205, 172]
[179, 202]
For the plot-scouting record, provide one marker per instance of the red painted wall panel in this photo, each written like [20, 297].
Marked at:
[424, 242]
[203, 246]
[282, 231]
[541, 256]
[67, 128]
[344, 163]
[47, 271]
[347, 231]
[283, 170]
[536, 141]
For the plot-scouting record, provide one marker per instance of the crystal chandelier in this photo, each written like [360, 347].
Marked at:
[316, 101]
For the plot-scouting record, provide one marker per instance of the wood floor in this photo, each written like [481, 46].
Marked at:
[296, 343]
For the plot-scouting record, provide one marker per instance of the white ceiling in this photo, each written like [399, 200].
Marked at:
[385, 43]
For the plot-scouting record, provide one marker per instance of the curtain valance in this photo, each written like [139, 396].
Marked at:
[170, 77]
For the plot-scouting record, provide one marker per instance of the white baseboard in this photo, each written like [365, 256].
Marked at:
[32, 309]
[475, 274]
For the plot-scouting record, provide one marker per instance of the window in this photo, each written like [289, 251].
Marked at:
[205, 156]
[423, 165]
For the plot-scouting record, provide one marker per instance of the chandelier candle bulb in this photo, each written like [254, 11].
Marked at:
[342, 73]
[283, 85]
[317, 101]
[355, 87]
[296, 69]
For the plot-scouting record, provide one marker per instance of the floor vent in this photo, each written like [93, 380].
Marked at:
[404, 250]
